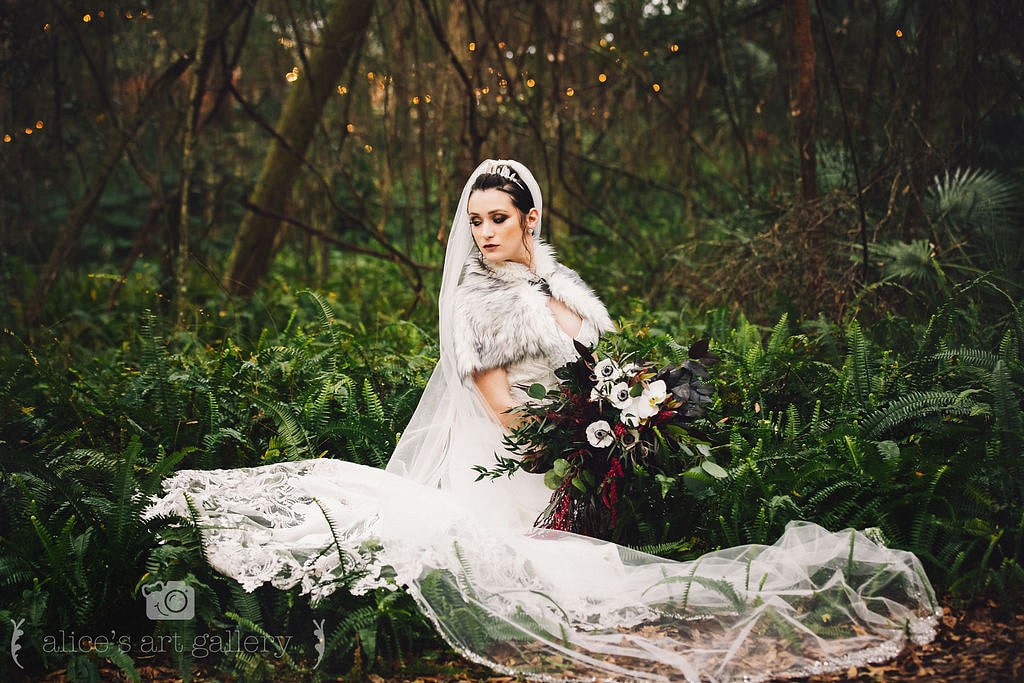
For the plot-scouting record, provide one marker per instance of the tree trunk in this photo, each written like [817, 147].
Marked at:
[804, 106]
[253, 249]
[71, 230]
[217, 19]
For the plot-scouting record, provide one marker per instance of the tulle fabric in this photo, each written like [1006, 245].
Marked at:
[448, 405]
[542, 604]
[550, 605]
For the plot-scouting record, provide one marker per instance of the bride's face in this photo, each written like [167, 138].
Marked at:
[499, 228]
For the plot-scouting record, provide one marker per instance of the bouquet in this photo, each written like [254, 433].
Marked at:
[612, 422]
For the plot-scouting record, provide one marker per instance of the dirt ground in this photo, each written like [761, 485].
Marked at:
[980, 644]
[983, 643]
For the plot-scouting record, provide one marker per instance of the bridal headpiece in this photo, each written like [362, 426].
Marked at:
[446, 405]
[506, 172]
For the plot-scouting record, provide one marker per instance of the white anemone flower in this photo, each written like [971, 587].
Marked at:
[619, 395]
[599, 434]
[607, 370]
[649, 403]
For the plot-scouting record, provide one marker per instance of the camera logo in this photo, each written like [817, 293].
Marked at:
[172, 600]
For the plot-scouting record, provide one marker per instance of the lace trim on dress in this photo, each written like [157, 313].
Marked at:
[554, 606]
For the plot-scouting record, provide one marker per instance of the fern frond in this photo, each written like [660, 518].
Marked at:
[254, 627]
[14, 571]
[325, 314]
[113, 653]
[1006, 407]
[913, 406]
[779, 337]
[857, 369]
[342, 640]
[974, 357]
[925, 525]
[374, 407]
[289, 430]
[245, 604]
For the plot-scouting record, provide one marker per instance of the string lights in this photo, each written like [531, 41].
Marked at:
[502, 82]
[86, 18]
[27, 130]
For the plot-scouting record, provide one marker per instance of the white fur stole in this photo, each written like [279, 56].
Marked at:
[502, 315]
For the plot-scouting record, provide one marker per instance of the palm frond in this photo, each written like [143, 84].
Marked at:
[914, 262]
[974, 198]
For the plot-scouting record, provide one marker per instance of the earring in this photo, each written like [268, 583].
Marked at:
[530, 230]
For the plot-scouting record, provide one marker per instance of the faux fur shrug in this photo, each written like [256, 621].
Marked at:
[502, 316]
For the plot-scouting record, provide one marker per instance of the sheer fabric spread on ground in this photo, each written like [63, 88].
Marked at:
[555, 606]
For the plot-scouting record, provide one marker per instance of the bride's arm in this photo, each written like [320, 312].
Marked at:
[493, 386]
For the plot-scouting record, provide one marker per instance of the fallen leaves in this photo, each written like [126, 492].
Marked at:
[983, 642]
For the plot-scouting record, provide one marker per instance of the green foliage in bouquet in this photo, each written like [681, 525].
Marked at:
[608, 435]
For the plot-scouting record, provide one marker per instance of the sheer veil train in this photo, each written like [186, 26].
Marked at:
[536, 603]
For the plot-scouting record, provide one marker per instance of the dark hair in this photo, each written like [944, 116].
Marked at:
[509, 182]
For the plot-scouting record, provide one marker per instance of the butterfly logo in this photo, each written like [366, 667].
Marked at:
[15, 637]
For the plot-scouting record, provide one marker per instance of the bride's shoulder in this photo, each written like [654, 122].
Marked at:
[480, 289]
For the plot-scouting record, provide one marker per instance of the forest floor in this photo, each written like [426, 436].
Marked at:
[983, 643]
[980, 644]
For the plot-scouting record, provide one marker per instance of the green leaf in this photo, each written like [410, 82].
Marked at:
[560, 467]
[667, 483]
[537, 391]
[889, 450]
[714, 469]
[552, 480]
[580, 484]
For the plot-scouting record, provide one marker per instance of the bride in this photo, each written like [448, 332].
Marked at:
[541, 604]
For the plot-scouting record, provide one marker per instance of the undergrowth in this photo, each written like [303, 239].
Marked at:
[912, 430]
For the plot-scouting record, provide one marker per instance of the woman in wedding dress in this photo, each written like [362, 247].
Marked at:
[542, 604]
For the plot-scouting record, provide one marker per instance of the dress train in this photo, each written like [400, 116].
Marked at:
[551, 605]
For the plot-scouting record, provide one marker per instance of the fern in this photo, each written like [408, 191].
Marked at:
[252, 626]
[914, 406]
[857, 371]
[115, 655]
[1006, 407]
[294, 439]
[372, 402]
[325, 315]
[925, 526]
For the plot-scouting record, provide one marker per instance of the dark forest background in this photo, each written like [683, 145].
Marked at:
[222, 226]
[763, 155]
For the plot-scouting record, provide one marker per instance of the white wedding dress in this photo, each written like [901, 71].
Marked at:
[542, 604]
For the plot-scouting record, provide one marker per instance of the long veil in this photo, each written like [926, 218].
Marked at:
[447, 404]
[542, 604]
